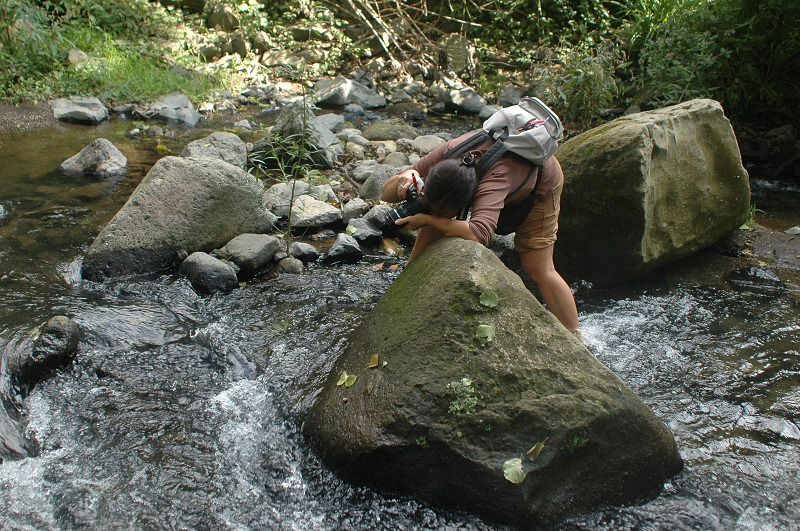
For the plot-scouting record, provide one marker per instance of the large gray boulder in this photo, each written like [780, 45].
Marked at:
[647, 189]
[79, 110]
[219, 145]
[298, 120]
[100, 158]
[437, 412]
[181, 204]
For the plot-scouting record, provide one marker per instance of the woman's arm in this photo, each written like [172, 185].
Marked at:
[446, 226]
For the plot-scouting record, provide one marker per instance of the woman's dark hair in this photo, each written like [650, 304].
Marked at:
[451, 183]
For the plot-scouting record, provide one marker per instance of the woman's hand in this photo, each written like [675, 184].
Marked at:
[395, 189]
[414, 222]
[405, 180]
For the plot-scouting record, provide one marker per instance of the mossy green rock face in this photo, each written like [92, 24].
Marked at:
[181, 204]
[398, 425]
[647, 189]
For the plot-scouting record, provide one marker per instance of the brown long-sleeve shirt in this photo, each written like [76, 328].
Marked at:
[500, 180]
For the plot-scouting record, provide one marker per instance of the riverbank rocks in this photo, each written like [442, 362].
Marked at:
[101, 158]
[647, 189]
[54, 347]
[79, 110]
[191, 204]
[390, 129]
[460, 388]
[219, 145]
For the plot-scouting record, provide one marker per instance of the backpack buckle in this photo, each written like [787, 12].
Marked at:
[470, 158]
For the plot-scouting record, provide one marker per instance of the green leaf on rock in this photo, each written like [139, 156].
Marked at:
[512, 470]
[485, 333]
[490, 298]
[350, 230]
[373, 361]
[342, 378]
[534, 452]
[350, 380]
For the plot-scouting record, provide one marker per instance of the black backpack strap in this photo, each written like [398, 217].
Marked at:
[467, 144]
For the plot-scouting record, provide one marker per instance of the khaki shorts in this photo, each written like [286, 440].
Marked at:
[539, 229]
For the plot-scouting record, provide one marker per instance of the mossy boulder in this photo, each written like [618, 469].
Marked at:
[647, 189]
[436, 411]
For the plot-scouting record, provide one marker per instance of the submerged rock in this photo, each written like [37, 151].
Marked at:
[208, 274]
[53, 348]
[445, 389]
[100, 158]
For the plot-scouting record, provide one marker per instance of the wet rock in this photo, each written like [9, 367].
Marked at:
[477, 405]
[363, 231]
[290, 265]
[344, 250]
[79, 110]
[324, 234]
[757, 280]
[55, 346]
[101, 158]
[305, 252]
[219, 145]
[250, 252]
[332, 121]
[208, 274]
[352, 135]
[310, 212]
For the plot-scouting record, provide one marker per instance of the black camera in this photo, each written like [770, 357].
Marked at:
[414, 204]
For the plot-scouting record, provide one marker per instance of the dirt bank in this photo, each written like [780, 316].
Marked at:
[25, 116]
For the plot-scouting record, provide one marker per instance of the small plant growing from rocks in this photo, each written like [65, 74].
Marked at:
[464, 400]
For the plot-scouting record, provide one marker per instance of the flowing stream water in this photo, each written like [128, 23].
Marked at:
[182, 411]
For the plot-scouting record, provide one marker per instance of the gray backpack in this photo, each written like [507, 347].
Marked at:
[529, 129]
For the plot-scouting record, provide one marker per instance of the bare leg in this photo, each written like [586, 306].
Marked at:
[538, 264]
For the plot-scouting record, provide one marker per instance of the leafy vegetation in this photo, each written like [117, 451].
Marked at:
[588, 58]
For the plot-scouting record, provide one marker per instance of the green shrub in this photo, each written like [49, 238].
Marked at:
[743, 53]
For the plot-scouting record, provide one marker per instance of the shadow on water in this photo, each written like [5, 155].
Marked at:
[185, 411]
